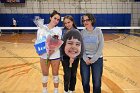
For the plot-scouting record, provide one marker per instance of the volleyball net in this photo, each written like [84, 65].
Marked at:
[125, 30]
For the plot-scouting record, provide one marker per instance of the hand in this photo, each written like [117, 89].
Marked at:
[88, 61]
[51, 52]
[71, 61]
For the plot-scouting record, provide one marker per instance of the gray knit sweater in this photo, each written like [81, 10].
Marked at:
[93, 44]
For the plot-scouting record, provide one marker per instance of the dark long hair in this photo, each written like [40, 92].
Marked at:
[54, 13]
[68, 36]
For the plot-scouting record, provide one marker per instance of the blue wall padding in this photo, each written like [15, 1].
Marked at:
[26, 20]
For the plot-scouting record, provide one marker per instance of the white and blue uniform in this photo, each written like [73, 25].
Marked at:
[45, 32]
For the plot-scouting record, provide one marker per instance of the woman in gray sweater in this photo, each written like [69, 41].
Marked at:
[92, 58]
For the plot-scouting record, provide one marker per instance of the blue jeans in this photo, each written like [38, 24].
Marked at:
[96, 71]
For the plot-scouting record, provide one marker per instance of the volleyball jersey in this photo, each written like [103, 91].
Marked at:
[54, 31]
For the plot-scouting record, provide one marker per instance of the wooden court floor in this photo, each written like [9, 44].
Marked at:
[20, 69]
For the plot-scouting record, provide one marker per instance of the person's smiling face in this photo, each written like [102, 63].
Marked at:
[87, 22]
[68, 23]
[55, 19]
[73, 47]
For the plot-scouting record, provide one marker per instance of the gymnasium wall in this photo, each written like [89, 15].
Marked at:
[107, 13]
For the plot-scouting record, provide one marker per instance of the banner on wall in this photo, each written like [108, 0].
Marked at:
[12, 1]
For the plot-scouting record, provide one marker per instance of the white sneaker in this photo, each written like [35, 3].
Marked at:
[55, 90]
[44, 90]
[70, 91]
[65, 92]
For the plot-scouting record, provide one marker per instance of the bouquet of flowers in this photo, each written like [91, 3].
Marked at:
[40, 45]
[52, 43]
[48, 43]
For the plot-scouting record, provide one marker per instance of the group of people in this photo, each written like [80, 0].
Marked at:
[84, 47]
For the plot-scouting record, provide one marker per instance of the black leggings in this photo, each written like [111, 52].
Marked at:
[69, 73]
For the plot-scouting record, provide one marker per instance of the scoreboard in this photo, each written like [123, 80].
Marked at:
[12, 1]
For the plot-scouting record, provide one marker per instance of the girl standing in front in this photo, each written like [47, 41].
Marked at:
[69, 72]
[54, 58]
[72, 50]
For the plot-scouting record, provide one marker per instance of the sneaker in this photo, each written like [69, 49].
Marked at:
[65, 92]
[55, 90]
[44, 90]
[70, 91]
